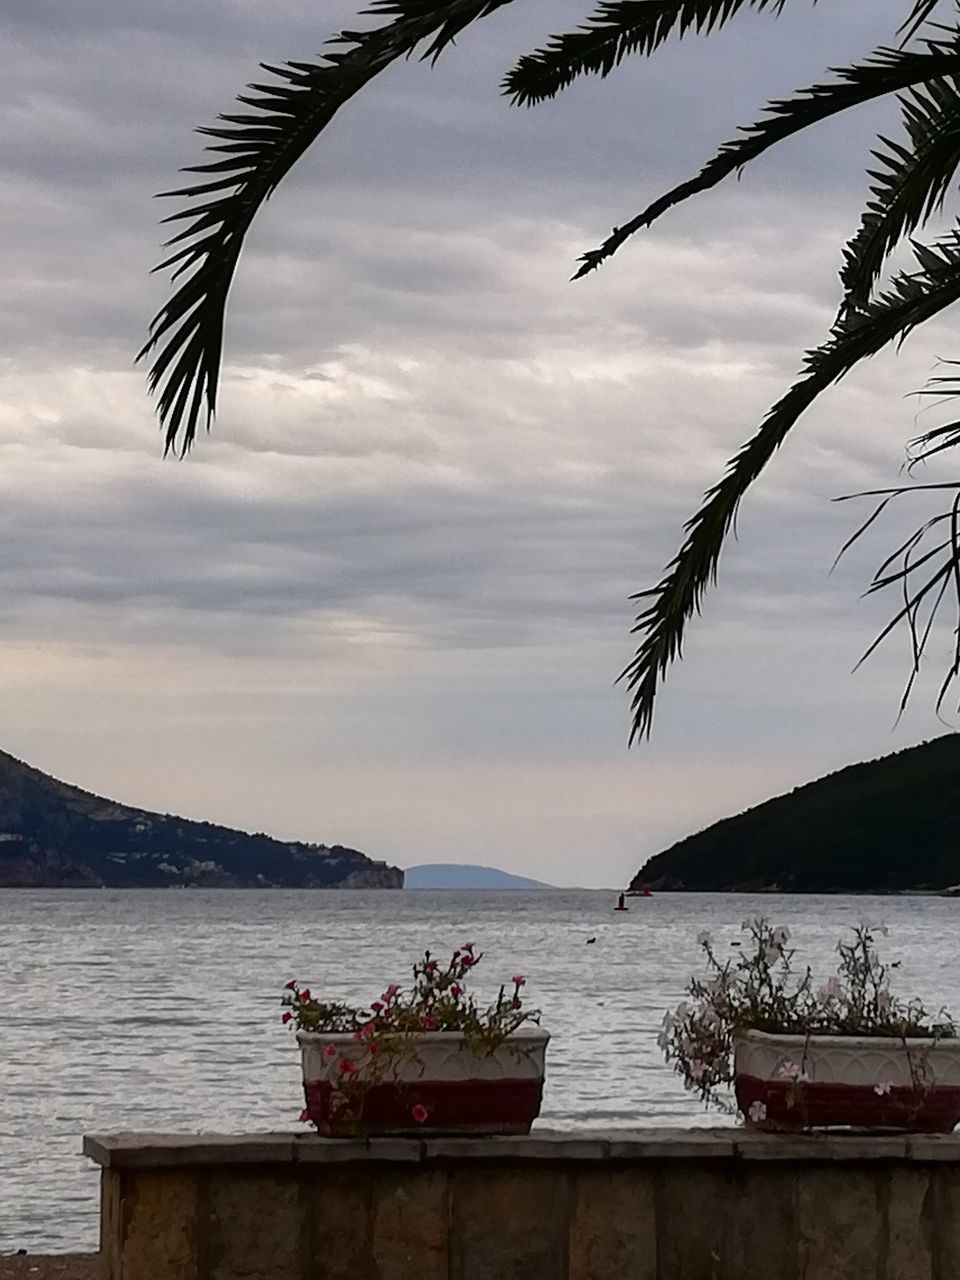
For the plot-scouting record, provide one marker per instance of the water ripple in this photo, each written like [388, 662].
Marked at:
[154, 1011]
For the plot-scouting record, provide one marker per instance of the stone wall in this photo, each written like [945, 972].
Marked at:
[719, 1204]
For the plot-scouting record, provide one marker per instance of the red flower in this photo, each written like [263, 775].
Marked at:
[377, 1007]
[467, 961]
[369, 1030]
[518, 981]
[348, 1068]
[429, 1023]
[304, 995]
[456, 991]
[291, 985]
[419, 1113]
[330, 1051]
[372, 1048]
[391, 992]
[287, 1016]
[304, 1116]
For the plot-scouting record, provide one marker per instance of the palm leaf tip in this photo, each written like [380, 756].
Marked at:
[909, 300]
[616, 30]
[254, 150]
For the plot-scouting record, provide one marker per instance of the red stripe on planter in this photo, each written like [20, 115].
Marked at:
[812, 1105]
[468, 1106]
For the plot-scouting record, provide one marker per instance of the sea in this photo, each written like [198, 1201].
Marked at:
[158, 1011]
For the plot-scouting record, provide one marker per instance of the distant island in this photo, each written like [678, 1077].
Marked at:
[53, 835]
[452, 875]
[886, 826]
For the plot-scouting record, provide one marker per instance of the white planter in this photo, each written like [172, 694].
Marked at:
[435, 1085]
[795, 1081]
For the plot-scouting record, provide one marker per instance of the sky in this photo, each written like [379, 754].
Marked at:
[385, 602]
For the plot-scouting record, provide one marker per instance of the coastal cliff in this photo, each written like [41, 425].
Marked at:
[885, 826]
[53, 835]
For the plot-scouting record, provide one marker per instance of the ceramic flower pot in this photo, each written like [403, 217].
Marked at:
[864, 1082]
[435, 1084]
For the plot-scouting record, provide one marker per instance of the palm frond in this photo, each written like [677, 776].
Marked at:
[911, 185]
[909, 300]
[258, 149]
[887, 71]
[918, 15]
[616, 29]
[923, 575]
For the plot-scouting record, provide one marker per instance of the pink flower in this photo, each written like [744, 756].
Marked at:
[419, 1113]
[377, 1007]
[518, 980]
[757, 1112]
[287, 1016]
[467, 946]
[372, 1048]
[697, 1071]
[291, 985]
[304, 1116]
[304, 995]
[467, 961]
[391, 993]
[348, 1068]
[369, 1030]
[456, 991]
[330, 1051]
[429, 1023]
[430, 966]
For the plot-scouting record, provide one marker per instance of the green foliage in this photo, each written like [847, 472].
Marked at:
[286, 114]
[882, 826]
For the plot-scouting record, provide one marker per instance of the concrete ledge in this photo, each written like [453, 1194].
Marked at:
[643, 1204]
[165, 1151]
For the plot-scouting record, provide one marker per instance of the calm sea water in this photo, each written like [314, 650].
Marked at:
[159, 1011]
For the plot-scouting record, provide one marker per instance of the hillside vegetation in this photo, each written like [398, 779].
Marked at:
[53, 835]
[883, 826]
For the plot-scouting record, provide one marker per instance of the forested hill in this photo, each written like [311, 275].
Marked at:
[53, 835]
[882, 826]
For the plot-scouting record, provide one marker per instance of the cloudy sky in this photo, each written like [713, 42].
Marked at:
[385, 601]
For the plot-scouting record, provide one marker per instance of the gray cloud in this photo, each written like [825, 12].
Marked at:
[401, 563]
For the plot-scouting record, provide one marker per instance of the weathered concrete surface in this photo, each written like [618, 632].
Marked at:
[651, 1205]
[50, 1266]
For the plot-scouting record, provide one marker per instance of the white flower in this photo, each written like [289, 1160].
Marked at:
[831, 990]
[703, 938]
[757, 1112]
[882, 1088]
[790, 1071]
[781, 936]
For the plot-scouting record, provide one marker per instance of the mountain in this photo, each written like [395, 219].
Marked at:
[53, 835]
[884, 826]
[451, 875]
